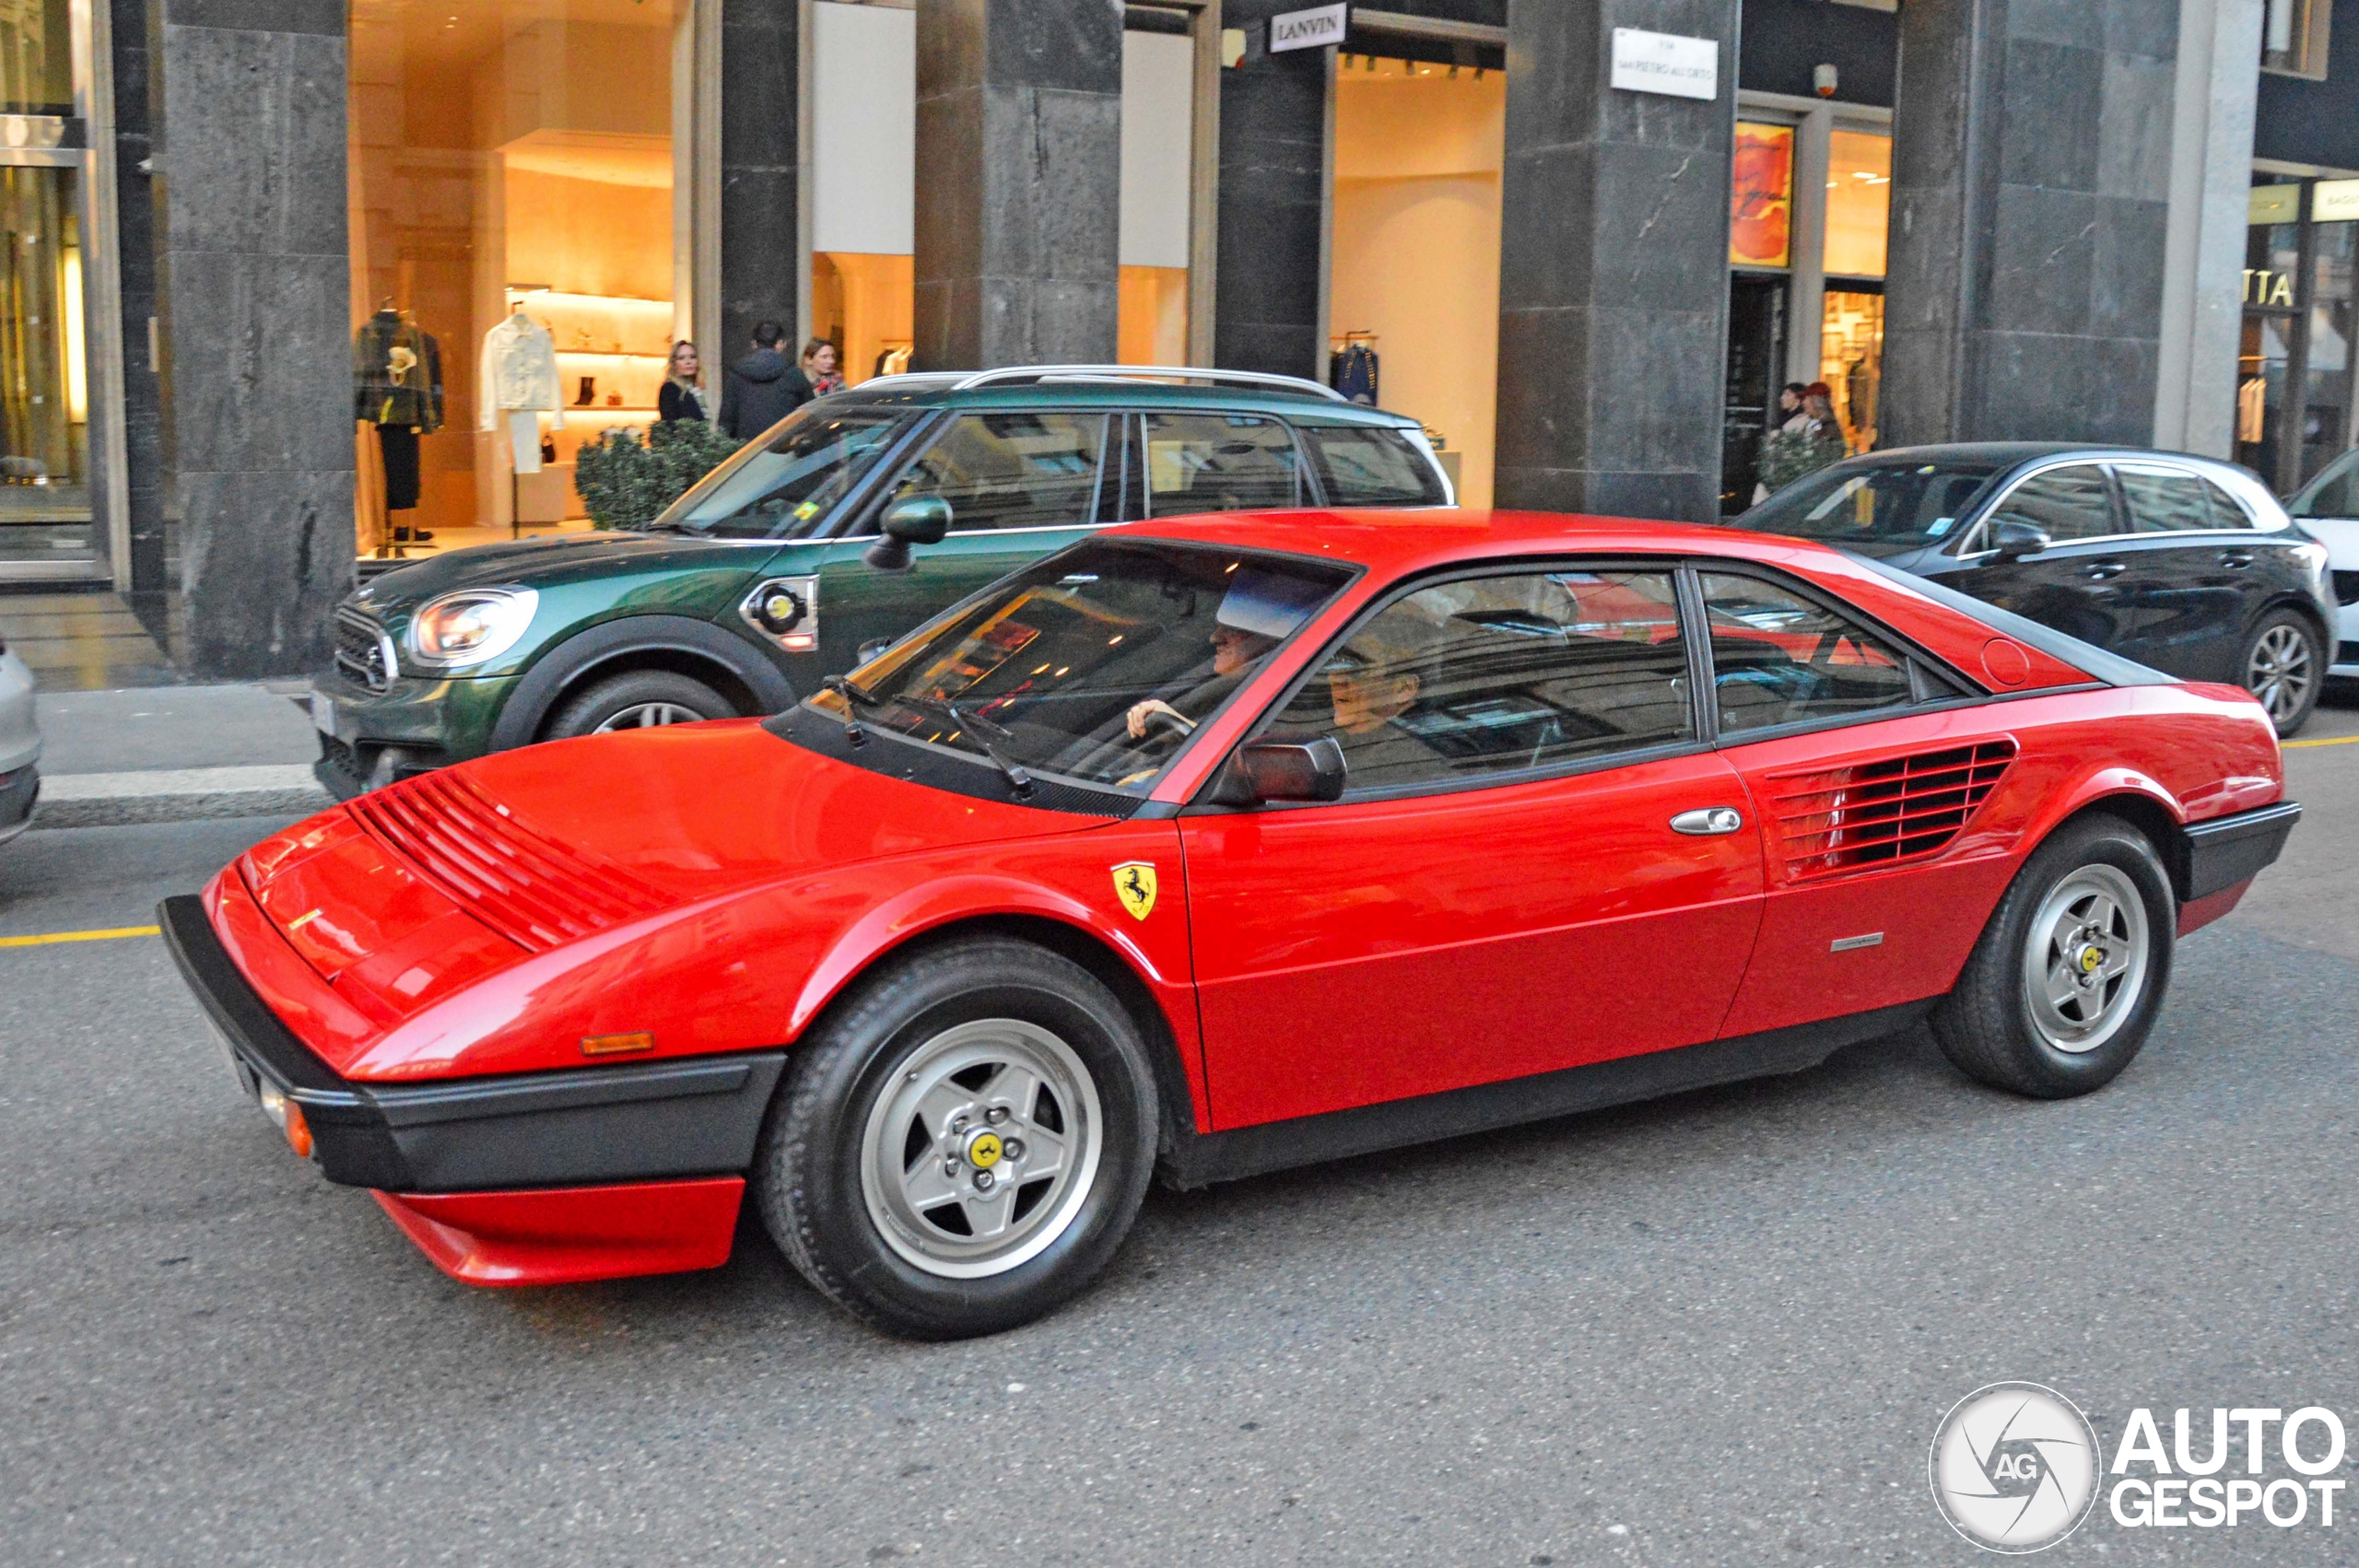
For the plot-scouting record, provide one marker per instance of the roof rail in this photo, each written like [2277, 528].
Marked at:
[1149, 373]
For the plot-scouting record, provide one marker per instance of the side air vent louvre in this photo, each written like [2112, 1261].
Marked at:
[1877, 813]
[524, 885]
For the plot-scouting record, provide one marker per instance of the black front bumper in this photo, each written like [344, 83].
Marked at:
[19, 792]
[2215, 856]
[649, 1122]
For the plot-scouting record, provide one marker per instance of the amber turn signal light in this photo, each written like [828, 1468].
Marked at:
[298, 1131]
[617, 1045]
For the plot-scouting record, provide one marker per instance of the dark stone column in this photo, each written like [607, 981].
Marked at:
[143, 417]
[1272, 165]
[2030, 198]
[1613, 267]
[251, 269]
[1019, 138]
[760, 110]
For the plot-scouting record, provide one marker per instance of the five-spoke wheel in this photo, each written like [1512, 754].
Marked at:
[2060, 991]
[2284, 663]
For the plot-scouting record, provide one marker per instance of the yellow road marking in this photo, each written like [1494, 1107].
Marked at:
[2330, 741]
[111, 934]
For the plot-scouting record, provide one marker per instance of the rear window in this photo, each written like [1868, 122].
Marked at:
[1372, 465]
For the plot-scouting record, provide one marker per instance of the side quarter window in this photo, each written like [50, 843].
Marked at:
[1780, 659]
[2167, 500]
[1217, 463]
[1495, 675]
[1371, 465]
[2064, 503]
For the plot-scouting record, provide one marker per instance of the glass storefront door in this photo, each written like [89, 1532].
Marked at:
[2295, 373]
[45, 513]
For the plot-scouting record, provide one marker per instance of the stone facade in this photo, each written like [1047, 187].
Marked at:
[250, 254]
[1019, 157]
[2030, 206]
[1613, 267]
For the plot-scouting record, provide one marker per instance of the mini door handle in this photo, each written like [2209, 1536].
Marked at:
[2104, 569]
[2235, 559]
[1708, 822]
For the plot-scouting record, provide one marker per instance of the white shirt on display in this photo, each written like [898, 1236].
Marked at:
[519, 371]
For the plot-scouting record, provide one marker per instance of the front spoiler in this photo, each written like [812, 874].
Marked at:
[695, 1117]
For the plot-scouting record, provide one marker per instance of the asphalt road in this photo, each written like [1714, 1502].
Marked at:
[1719, 1328]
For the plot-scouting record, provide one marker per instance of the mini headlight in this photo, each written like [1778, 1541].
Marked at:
[470, 626]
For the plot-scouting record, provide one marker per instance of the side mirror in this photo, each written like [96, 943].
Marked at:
[913, 520]
[1266, 770]
[2011, 538]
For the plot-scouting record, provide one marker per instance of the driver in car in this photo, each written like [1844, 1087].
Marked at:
[1255, 613]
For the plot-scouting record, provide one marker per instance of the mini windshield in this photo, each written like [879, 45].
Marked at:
[1884, 506]
[784, 486]
[1095, 665]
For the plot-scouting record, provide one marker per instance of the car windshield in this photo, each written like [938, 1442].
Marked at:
[2333, 494]
[784, 486]
[1095, 664]
[1882, 506]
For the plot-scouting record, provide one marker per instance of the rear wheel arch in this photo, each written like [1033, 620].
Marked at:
[1080, 946]
[2160, 826]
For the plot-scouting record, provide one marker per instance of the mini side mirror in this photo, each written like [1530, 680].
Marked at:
[2010, 539]
[1267, 770]
[913, 520]
[869, 651]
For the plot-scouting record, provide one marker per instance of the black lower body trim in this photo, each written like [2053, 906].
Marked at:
[2229, 849]
[1198, 1159]
[644, 1122]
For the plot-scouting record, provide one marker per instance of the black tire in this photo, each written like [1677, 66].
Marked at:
[2283, 663]
[615, 699]
[810, 1177]
[1990, 1026]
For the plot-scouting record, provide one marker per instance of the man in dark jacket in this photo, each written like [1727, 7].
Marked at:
[763, 388]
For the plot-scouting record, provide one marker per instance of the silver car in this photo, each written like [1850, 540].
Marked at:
[19, 746]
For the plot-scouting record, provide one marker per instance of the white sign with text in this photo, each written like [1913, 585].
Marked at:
[1666, 63]
[1314, 29]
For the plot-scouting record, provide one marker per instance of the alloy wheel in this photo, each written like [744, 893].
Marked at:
[982, 1150]
[2280, 671]
[2084, 960]
[644, 714]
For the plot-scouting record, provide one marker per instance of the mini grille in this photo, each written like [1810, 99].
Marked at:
[1874, 813]
[361, 647]
[517, 880]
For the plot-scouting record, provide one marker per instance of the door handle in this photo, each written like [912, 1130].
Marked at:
[2236, 558]
[2104, 569]
[1708, 822]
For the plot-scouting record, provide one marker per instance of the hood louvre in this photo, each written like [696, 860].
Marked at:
[520, 882]
[1866, 815]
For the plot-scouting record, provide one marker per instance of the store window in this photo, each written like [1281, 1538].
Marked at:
[47, 524]
[518, 236]
[2294, 375]
[1414, 270]
[1799, 313]
[2294, 37]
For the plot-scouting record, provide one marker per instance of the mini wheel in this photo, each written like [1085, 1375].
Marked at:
[2061, 990]
[963, 1142]
[639, 699]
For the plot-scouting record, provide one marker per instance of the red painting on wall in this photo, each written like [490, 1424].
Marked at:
[1761, 197]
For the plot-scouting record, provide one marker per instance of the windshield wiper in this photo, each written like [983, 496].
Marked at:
[988, 734]
[856, 697]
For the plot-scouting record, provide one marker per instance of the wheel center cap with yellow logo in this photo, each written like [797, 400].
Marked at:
[2091, 958]
[983, 1151]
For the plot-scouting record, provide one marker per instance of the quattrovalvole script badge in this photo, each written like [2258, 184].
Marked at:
[1134, 886]
[2015, 1466]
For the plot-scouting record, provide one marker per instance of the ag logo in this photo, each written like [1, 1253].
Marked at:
[1134, 886]
[2015, 1467]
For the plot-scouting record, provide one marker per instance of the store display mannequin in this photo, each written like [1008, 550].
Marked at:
[397, 387]
[518, 384]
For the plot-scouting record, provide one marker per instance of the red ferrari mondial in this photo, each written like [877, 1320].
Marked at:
[1210, 848]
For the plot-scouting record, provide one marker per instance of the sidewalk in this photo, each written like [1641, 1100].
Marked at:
[175, 753]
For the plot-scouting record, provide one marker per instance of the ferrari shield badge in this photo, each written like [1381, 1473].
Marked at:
[1134, 886]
